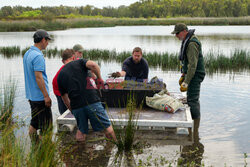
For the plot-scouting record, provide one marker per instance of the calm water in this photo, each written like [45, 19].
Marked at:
[224, 97]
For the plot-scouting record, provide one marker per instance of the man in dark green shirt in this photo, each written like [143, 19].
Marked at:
[192, 68]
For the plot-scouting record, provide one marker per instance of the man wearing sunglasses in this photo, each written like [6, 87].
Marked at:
[192, 68]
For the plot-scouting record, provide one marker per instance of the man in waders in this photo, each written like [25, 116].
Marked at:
[192, 69]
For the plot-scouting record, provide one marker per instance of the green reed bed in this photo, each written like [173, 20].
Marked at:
[53, 23]
[15, 151]
[7, 95]
[10, 51]
[238, 60]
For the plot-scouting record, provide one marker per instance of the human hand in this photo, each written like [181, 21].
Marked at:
[100, 83]
[47, 101]
[114, 75]
[181, 80]
[183, 87]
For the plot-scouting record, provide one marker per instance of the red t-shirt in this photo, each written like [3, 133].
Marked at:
[55, 84]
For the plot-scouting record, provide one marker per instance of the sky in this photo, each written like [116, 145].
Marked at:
[39, 3]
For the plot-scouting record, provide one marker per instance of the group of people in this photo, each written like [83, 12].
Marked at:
[70, 83]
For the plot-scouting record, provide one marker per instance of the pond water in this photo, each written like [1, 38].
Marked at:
[225, 97]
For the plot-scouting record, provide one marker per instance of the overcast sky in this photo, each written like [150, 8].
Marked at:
[39, 3]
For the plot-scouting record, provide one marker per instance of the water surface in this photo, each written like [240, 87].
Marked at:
[225, 97]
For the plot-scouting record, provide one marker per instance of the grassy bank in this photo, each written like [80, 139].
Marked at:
[61, 24]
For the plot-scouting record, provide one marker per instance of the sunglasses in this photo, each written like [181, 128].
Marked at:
[177, 33]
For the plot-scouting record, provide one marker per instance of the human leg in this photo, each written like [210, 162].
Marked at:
[110, 134]
[61, 106]
[80, 136]
[99, 120]
[82, 123]
[193, 95]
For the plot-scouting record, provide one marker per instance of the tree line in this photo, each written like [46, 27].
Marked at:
[142, 8]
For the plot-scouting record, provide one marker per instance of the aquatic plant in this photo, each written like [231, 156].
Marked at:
[10, 51]
[64, 22]
[7, 97]
[238, 60]
[126, 134]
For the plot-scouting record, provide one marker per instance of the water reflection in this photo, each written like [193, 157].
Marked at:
[95, 152]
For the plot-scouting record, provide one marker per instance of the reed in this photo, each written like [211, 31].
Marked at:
[7, 102]
[126, 135]
[10, 51]
[64, 22]
[238, 60]
[46, 151]
[14, 151]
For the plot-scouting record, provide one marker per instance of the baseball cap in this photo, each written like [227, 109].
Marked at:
[78, 48]
[179, 27]
[41, 34]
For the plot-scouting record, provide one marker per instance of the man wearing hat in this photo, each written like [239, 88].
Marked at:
[78, 51]
[36, 84]
[192, 68]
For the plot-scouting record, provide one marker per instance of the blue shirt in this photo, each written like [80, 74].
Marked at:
[33, 60]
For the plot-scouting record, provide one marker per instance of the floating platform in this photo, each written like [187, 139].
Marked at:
[148, 119]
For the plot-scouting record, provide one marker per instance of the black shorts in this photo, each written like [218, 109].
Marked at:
[61, 106]
[41, 116]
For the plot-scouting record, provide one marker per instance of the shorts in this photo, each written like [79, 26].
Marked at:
[41, 116]
[95, 113]
[61, 106]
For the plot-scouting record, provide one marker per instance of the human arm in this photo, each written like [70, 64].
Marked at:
[96, 70]
[66, 101]
[41, 84]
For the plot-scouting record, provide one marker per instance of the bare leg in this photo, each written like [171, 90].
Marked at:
[80, 136]
[110, 134]
[33, 134]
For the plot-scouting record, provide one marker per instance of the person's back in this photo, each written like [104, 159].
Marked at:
[78, 94]
[73, 79]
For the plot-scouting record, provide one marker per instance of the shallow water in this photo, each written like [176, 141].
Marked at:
[225, 106]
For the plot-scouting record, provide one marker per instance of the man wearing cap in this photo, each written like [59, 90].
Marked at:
[36, 84]
[192, 68]
[134, 67]
[78, 51]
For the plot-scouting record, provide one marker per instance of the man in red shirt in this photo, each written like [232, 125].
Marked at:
[68, 55]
